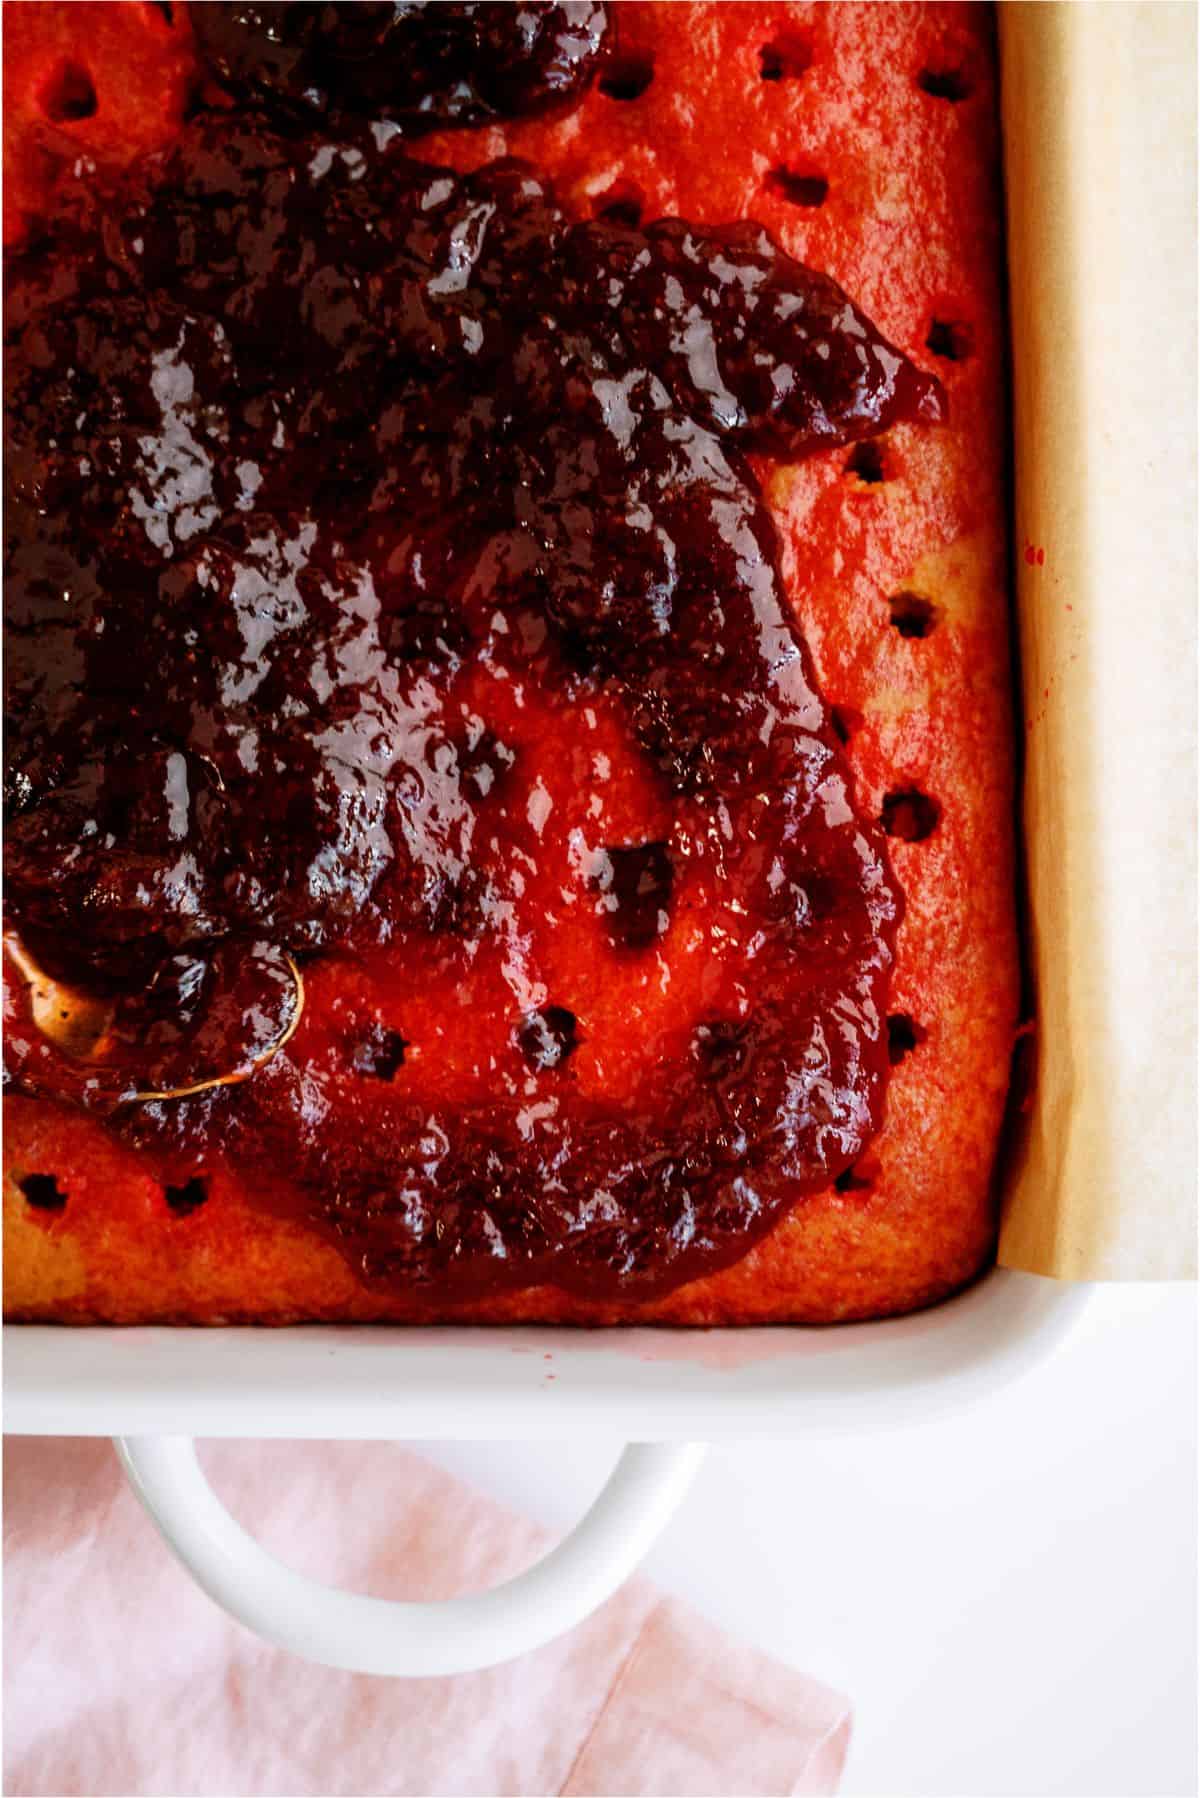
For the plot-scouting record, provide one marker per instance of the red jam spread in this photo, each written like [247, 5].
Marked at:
[419, 62]
[410, 742]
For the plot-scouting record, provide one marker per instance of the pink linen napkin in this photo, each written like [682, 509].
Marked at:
[121, 1678]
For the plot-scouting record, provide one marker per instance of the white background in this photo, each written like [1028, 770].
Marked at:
[1008, 1595]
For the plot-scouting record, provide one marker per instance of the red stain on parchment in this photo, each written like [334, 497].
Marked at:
[1039, 715]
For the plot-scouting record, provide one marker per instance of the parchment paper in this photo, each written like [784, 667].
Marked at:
[1100, 130]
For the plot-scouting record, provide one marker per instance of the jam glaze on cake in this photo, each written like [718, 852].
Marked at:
[404, 699]
[420, 63]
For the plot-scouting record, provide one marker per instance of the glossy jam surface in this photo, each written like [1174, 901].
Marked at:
[419, 62]
[408, 728]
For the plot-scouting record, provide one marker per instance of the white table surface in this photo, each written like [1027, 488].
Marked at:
[1009, 1596]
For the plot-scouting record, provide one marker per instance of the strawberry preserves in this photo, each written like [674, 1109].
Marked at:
[409, 737]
